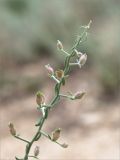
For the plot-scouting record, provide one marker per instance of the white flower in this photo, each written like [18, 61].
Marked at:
[83, 59]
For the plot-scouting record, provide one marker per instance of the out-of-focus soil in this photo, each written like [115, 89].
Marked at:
[90, 127]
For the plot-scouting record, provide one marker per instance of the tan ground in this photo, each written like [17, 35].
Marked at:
[90, 127]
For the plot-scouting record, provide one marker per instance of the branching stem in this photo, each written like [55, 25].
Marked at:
[21, 139]
[56, 97]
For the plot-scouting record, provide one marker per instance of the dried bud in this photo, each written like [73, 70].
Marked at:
[79, 95]
[36, 151]
[40, 99]
[83, 59]
[59, 74]
[49, 69]
[64, 145]
[56, 134]
[59, 45]
[12, 129]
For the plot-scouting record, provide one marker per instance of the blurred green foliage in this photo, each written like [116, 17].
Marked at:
[110, 76]
[29, 28]
[17, 6]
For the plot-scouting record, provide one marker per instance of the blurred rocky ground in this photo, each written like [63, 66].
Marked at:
[90, 126]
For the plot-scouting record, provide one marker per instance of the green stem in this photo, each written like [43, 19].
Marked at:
[74, 64]
[28, 146]
[53, 77]
[33, 157]
[81, 36]
[66, 96]
[55, 98]
[47, 136]
[21, 139]
[65, 52]
[44, 134]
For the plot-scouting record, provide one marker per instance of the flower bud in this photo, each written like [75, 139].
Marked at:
[49, 69]
[12, 129]
[56, 134]
[59, 74]
[79, 54]
[36, 151]
[64, 145]
[83, 59]
[79, 95]
[59, 45]
[40, 99]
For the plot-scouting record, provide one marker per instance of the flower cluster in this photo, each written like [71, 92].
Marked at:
[72, 58]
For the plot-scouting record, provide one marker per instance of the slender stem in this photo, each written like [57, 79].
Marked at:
[47, 136]
[28, 147]
[65, 52]
[66, 96]
[21, 139]
[74, 64]
[81, 36]
[44, 134]
[53, 77]
[33, 157]
[55, 98]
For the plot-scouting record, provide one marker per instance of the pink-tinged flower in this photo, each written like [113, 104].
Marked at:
[49, 69]
[59, 45]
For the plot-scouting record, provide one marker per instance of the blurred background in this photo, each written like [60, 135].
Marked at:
[29, 30]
